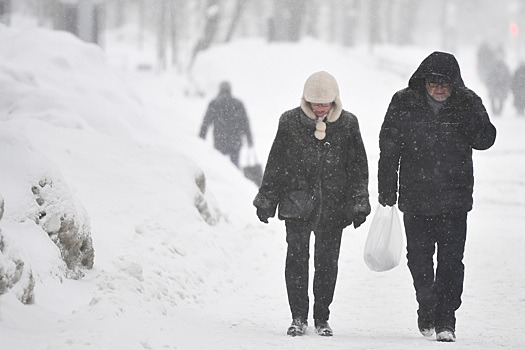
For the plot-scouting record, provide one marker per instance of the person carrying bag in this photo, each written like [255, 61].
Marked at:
[427, 138]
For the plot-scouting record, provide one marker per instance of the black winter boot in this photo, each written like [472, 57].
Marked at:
[446, 335]
[426, 322]
[323, 328]
[298, 327]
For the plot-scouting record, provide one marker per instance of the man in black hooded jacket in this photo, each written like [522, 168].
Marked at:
[426, 143]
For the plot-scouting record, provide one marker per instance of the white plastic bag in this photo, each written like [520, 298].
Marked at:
[384, 244]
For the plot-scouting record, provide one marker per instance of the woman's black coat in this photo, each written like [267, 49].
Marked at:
[340, 184]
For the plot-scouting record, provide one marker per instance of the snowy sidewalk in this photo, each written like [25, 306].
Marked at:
[378, 310]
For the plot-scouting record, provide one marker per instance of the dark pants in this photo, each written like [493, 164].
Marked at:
[234, 157]
[326, 256]
[233, 154]
[439, 294]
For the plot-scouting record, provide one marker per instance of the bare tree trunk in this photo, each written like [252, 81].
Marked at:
[142, 22]
[287, 21]
[449, 30]
[257, 10]
[408, 12]
[311, 15]
[335, 12]
[374, 29]
[162, 35]
[44, 9]
[120, 18]
[239, 9]
[210, 30]
[5, 12]
[297, 15]
[175, 8]
[48, 10]
[351, 21]
[390, 19]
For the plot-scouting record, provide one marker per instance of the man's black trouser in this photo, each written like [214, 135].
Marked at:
[326, 256]
[439, 294]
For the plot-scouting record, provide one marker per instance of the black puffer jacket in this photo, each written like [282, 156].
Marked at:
[433, 153]
[340, 187]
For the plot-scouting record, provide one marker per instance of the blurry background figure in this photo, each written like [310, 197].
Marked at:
[518, 88]
[498, 84]
[230, 123]
[485, 59]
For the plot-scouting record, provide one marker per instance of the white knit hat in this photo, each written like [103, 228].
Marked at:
[320, 87]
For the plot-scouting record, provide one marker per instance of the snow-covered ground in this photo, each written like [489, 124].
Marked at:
[125, 141]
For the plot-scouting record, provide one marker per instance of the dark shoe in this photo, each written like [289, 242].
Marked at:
[446, 335]
[323, 328]
[425, 323]
[427, 332]
[298, 327]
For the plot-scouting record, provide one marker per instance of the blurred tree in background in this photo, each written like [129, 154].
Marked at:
[185, 28]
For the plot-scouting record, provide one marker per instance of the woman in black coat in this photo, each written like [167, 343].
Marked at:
[318, 152]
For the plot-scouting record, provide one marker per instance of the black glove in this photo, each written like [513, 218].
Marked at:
[465, 98]
[359, 218]
[387, 199]
[464, 108]
[263, 215]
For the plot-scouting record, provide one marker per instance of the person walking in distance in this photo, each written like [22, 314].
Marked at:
[426, 143]
[498, 85]
[317, 173]
[230, 123]
[518, 89]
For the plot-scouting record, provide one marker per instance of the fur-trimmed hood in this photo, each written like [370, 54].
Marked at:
[321, 87]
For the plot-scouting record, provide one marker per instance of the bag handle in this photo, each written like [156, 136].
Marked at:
[251, 157]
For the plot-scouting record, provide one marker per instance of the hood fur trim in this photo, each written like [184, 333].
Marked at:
[321, 87]
[333, 114]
